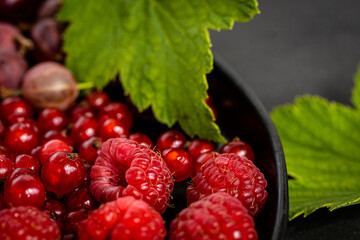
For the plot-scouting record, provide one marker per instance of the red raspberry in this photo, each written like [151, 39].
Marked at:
[27, 223]
[124, 218]
[127, 168]
[217, 216]
[232, 174]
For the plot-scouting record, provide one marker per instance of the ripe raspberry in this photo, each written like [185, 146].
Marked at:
[27, 223]
[124, 218]
[233, 174]
[217, 216]
[127, 168]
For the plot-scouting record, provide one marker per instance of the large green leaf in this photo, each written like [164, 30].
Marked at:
[321, 142]
[161, 48]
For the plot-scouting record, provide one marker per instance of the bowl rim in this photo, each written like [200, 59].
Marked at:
[282, 203]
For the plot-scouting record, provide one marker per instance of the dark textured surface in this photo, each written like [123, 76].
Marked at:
[294, 48]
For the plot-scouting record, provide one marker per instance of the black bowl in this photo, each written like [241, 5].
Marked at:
[241, 114]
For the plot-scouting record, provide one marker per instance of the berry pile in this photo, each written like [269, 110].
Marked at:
[78, 167]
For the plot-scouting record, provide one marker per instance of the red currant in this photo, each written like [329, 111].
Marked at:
[15, 106]
[72, 220]
[199, 146]
[21, 138]
[142, 139]
[239, 148]
[170, 139]
[2, 129]
[27, 161]
[62, 173]
[89, 149]
[55, 209]
[81, 198]
[81, 109]
[51, 147]
[119, 111]
[84, 128]
[97, 99]
[52, 119]
[23, 187]
[5, 166]
[112, 128]
[179, 163]
[203, 158]
[56, 134]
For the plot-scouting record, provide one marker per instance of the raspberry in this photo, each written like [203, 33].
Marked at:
[127, 168]
[27, 223]
[123, 218]
[217, 216]
[232, 174]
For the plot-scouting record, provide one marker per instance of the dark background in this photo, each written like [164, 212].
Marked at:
[294, 48]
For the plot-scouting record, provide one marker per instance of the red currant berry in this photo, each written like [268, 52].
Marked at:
[84, 128]
[112, 128]
[97, 99]
[142, 139]
[55, 134]
[27, 161]
[52, 119]
[21, 138]
[119, 111]
[15, 106]
[51, 147]
[56, 210]
[239, 148]
[5, 166]
[203, 158]
[89, 149]
[170, 139]
[81, 109]
[72, 220]
[62, 173]
[81, 198]
[199, 146]
[23, 187]
[179, 163]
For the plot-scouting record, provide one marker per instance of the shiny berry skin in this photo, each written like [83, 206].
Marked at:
[119, 111]
[62, 135]
[62, 173]
[217, 216]
[73, 218]
[199, 146]
[27, 161]
[89, 149]
[97, 99]
[238, 147]
[112, 128]
[81, 109]
[55, 209]
[170, 139]
[24, 187]
[15, 106]
[27, 223]
[84, 128]
[51, 147]
[5, 166]
[179, 163]
[21, 138]
[81, 198]
[202, 159]
[124, 218]
[52, 119]
[142, 139]
[233, 174]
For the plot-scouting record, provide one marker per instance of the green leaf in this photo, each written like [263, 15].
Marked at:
[356, 90]
[321, 142]
[160, 48]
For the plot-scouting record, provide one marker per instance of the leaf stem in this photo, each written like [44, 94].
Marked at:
[85, 85]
